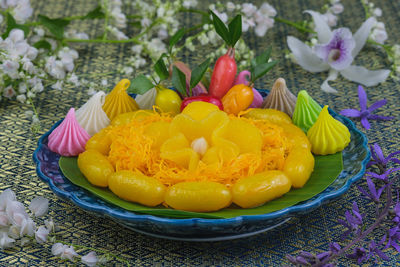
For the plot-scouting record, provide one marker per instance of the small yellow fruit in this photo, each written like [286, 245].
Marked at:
[272, 115]
[96, 167]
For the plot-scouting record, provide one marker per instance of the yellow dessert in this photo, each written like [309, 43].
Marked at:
[328, 135]
[204, 158]
[118, 101]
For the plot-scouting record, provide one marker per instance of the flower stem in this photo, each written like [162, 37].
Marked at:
[294, 24]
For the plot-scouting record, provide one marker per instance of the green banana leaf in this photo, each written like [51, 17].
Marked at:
[326, 169]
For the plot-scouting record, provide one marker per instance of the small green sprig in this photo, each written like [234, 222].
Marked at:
[260, 65]
[230, 34]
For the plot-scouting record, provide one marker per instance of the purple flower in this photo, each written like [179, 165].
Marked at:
[365, 113]
[374, 249]
[337, 52]
[373, 194]
[383, 176]
[379, 158]
[394, 236]
[334, 247]
[359, 254]
[352, 222]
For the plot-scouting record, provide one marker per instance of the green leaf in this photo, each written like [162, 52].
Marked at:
[12, 24]
[262, 58]
[221, 29]
[179, 81]
[260, 70]
[55, 26]
[42, 44]
[235, 29]
[198, 73]
[161, 69]
[326, 169]
[96, 13]
[176, 37]
[140, 85]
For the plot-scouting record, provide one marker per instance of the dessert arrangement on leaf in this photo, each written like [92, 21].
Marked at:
[202, 146]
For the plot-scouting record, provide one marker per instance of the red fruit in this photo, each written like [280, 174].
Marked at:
[204, 98]
[223, 75]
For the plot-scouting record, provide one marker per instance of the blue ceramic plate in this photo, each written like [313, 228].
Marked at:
[355, 158]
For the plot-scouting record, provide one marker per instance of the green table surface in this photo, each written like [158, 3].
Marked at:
[311, 232]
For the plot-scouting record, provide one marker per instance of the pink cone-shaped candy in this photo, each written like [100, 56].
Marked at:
[69, 138]
[242, 78]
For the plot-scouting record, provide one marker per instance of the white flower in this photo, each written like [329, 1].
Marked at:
[35, 119]
[267, 10]
[11, 68]
[29, 114]
[67, 57]
[145, 22]
[117, 33]
[377, 12]
[262, 28]
[73, 78]
[8, 92]
[162, 34]
[203, 39]
[41, 234]
[55, 68]
[63, 251]
[6, 196]
[332, 53]
[222, 16]
[5, 240]
[248, 9]
[230, 6]
[21, 98]
[137, 49]
[16, 35]
[28, 227]
[247, 23]
[337, 8]
[104, 82]
[50, 225]
[379, 36]
[39, 206]
[58, 85]
[330, 19]
[127, 70]
[39, 31]
[189, 3]
[90, 259]
[22, 11]
[3, 219]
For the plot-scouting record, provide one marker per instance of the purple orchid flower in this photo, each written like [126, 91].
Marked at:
[335, 52]
[365, 113]
[379, 158]
[374, 249]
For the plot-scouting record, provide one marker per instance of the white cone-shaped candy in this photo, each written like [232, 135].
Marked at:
[91, 115]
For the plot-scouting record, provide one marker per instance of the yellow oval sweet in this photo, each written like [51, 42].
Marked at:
[272, 115]
[253, 191]
[118, 101]
[101, 142]
[328, 135]
[95, 167]
[200, 196]
[299, 165]
[199, 110]
[137, 187]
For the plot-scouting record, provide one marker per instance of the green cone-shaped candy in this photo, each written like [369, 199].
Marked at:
[306, 111]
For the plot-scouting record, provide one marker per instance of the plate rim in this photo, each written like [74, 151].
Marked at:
[132, 216]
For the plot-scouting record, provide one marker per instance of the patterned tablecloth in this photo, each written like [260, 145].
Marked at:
[310, 232]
